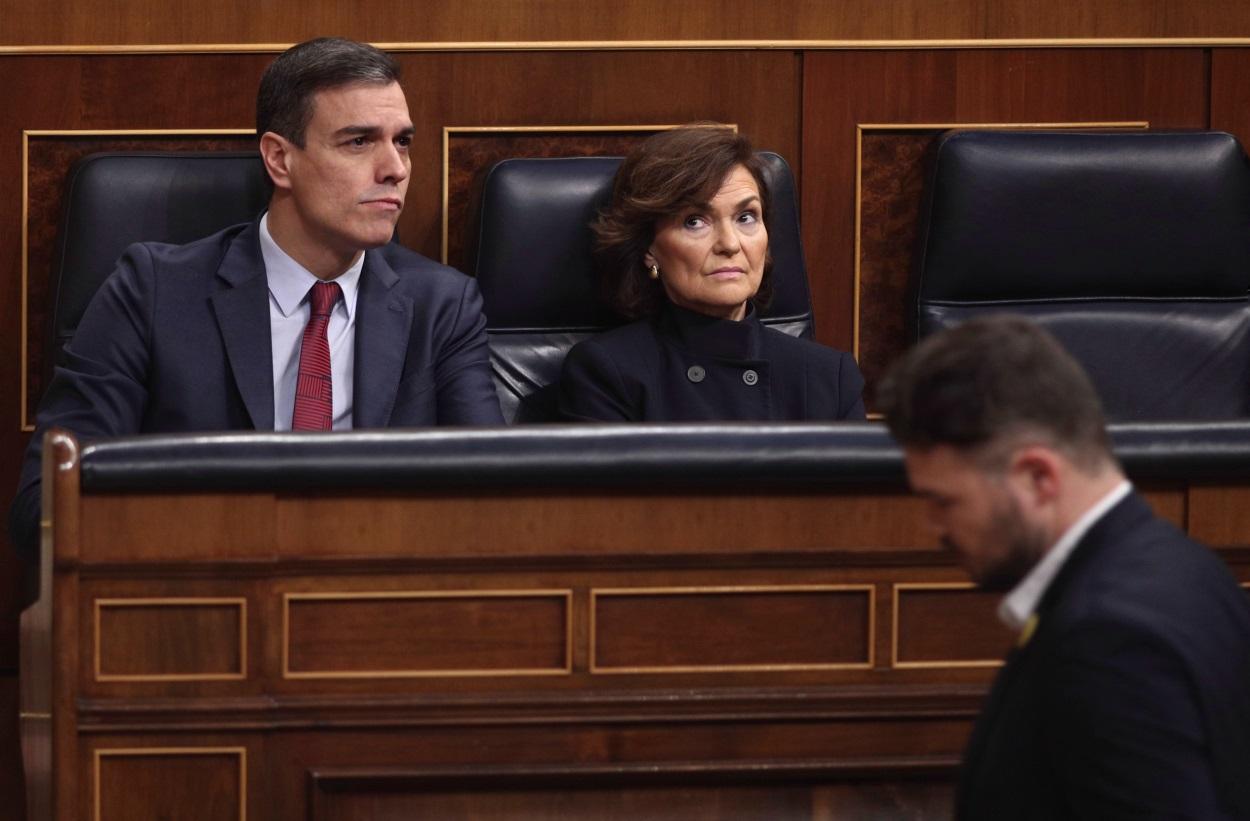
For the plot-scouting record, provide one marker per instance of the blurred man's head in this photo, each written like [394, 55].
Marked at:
[1004, 435]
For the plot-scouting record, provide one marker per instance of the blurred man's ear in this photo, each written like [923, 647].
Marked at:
[1035, 474]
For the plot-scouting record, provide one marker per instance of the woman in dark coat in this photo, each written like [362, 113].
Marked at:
[684, 249]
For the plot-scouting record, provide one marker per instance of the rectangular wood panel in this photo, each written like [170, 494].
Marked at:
[757, 628]
[436, 633]
[170, 639]
[677, 796]
[1220, 516]
[187, 783]
[947, 625]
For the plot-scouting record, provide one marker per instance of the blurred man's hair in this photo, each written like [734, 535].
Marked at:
[989, 384]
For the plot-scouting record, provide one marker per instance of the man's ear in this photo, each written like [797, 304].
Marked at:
[275, 151]
[1036, 474]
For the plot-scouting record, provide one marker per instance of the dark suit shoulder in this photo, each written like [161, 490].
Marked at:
[781, 344]
[416, 270]
[833, 377]
[635, 341]
[629, 353]
[604, 378]
[1151, 574]
[198, 255]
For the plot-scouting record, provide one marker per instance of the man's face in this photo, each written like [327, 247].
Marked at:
[349, 180]
[978, 514]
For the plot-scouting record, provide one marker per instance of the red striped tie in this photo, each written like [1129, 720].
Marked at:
[314, 391]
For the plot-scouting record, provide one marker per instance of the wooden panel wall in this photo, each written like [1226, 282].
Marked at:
[153, 21]
[807, 103]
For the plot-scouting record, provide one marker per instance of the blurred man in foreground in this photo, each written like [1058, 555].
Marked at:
[1128, 694]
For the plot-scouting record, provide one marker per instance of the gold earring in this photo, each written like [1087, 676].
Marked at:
[655, 272]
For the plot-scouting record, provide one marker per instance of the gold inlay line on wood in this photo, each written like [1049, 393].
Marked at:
[119, 603]
[168, 752]
[564, 594]
[900, 587]
[26, 424]
[609, 592]
[838, 44]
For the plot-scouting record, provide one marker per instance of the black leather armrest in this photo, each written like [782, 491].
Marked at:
[644, 456]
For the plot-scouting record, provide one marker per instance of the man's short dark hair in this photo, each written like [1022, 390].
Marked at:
[284, 103]
[988, 382]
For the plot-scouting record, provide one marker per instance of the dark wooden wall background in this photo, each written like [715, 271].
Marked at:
[813, 81]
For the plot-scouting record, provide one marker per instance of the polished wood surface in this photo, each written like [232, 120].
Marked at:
[380, 662]
[1230, 88]
[152, 22]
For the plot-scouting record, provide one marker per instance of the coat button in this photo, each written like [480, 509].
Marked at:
[695, 374]
[750, 377]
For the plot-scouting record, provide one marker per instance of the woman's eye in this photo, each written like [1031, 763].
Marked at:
[694, 222]
[748, 217]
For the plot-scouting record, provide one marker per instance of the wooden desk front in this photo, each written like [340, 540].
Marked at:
[505, 652]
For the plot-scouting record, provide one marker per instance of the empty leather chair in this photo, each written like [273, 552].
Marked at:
[115, 199]
[539, 283]
[1133, 248]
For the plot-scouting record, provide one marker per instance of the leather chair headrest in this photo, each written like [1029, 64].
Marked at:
[1077, 215]
[115, 199]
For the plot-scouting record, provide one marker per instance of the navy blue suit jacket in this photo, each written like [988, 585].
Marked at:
[681, 366]
[177, 340]
[1131, 700]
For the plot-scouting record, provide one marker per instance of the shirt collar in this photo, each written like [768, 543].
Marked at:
[1018, 605]
[289, 282]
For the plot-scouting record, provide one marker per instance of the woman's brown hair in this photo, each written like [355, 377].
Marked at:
[667, 172]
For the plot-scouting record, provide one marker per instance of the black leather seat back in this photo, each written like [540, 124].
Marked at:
[115, 199]
[1133, 248]
[539, 283]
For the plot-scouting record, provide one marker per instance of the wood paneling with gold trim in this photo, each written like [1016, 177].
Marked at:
[169, 782]
[731, 629]
[170, 639]
[413, 634]
[600, 23]
[802, 98]
[944, 625]
[824, 662]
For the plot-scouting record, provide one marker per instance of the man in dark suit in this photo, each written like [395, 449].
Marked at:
[304, 319]
[1128, 694]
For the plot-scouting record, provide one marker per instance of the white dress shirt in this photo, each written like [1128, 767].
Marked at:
[289, 285]
[1018, 605]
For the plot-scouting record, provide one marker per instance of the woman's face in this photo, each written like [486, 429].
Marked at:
[711, 257]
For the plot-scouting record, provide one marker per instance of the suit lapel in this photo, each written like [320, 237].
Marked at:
[242, 311]
[383, 323]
